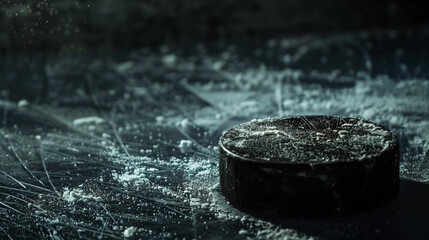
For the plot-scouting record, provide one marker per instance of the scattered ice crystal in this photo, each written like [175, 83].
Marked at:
[185, 146]
[185, 124]
[75, 195]
[129, 232]
[23, 103]
[159, 119]
[91, 119]
[169, 59]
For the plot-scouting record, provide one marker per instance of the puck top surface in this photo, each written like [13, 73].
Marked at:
[308, 139]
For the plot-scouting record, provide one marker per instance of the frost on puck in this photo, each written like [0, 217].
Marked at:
[308, 166]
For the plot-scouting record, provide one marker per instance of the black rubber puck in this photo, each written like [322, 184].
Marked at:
[308, 166]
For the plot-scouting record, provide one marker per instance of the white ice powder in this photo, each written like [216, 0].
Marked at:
[75, 195]
[185, 146]
[91, 119]
[129, 232]
[22, 103]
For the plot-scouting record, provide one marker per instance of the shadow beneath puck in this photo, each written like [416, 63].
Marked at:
[405, 217]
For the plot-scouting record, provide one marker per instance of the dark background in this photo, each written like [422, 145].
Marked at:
[66, 26]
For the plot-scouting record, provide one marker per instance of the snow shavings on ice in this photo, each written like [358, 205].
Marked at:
[129, 232]
[76, 195]
[185, 146]
[92, 119]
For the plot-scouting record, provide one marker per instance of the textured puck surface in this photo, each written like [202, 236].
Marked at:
[308, 166]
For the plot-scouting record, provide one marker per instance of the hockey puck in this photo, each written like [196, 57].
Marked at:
[308, 166]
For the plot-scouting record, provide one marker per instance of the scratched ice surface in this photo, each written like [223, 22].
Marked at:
[126, 146]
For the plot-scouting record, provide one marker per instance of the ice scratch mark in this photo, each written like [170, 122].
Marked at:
[81, 226]
[24, 229]
[121, 143]
[308, 123]
[7, 234]
[15, 197]
[194, 223]
[21, 190]
[110, 122]
[195, 143]
[104, 207]
[12, 208]
[47, 175]
[52, 232]
[18, 158]
[14, 179]
[54, 120]
[36, 187]
[205, 101]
